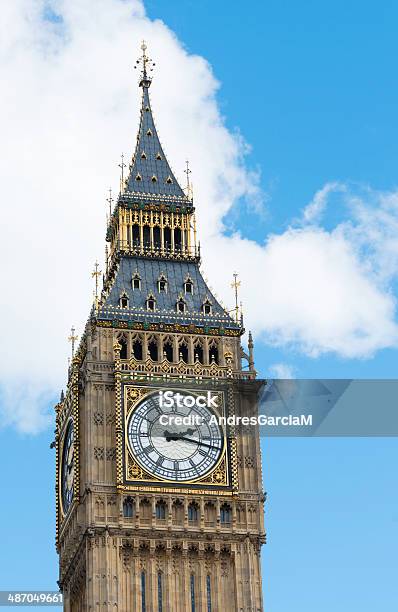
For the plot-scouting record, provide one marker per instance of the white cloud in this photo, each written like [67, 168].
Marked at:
[312, 213]
[69, 109]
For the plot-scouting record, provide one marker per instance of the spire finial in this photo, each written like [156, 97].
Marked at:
[96, 273]
[110, 202]
[122, 166]
[235, 285]
[188, 171]
[72, 339]
[147, 66]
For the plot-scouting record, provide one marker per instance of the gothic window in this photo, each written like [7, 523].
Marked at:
[188, 286]
[136, 236]
[168, 349]
[183, 351]
[136, 281]
[151, 303]
[149, 132]
[160, 592]
[213, 352]
[162, 284]
[208, 592]
[154, 179]
[128, 507]
[160, 510]
[123, 351]
[198, 352]
[207, 307]
[124, 301]
[169, 180]
[153, 349]
[193, 513]
[143, 592]
[143, 155]
[137, 349]
[193, 593]
[158, 156]
[181, 305]
[138, 177]
[225, 514]
[147, 109]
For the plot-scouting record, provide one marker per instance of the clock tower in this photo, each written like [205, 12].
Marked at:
[158, 483]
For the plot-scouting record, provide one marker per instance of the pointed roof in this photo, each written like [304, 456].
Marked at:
[150, 172]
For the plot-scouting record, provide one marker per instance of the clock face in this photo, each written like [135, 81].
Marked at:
[67, 468]
[169, 450]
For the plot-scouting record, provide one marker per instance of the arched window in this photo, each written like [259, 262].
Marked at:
[162, 284]
[188, 286]
[160, 510]
[183, 351]
[136, 281]
[213, 352]
[193, 512]
[207, 307]
[198, 352]
[153, 349]
[123, 350]
[181, 305]
[225, 514]
[168, 349]
[124, 300]
[128, 507]
[137, 348]
[151, 303]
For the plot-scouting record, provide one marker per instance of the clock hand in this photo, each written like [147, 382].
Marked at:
[192, 440]
[171, 436]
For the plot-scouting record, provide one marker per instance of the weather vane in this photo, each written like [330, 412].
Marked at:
[147, 66]
[235, 285]
[72, 339]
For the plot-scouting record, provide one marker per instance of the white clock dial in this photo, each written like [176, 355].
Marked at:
[171, 451]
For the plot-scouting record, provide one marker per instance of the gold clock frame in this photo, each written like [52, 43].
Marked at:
[131, 477]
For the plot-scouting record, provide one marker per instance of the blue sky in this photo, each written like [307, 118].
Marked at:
[312, 88]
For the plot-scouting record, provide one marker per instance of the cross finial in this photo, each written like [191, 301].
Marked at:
[235, 285]
[147, 66]
[96, 273]
[122, 166]
[72, 339]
